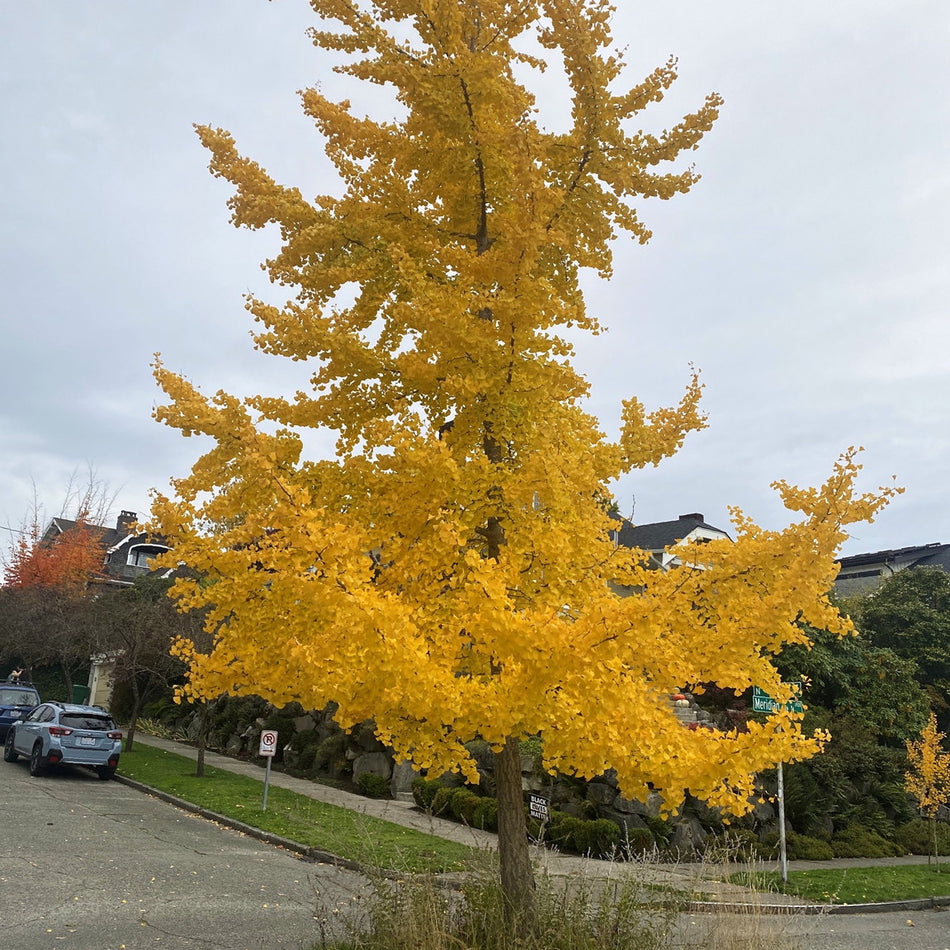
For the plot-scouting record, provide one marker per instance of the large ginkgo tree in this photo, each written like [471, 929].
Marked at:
[452, 571]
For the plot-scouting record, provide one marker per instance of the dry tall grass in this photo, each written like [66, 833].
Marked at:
[633, 906]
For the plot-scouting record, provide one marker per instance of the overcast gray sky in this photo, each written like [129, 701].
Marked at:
[807, 275]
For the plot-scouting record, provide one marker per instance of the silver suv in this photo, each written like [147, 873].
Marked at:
[65, 734]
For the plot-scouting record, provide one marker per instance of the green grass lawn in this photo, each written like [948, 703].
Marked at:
[371, 841]
[857, 885]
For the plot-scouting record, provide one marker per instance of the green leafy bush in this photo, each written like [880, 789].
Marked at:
[305, 745]
[441, 800]
[229, 714]
[463, 805]
[486, 814]
[807, 848]
[798, 847]
[372, 785]
[916, 837]
[856, 841]
[661, 828]
[531, 748]
[638, 840]
[424, 790]
[330, 753]
[597, 838]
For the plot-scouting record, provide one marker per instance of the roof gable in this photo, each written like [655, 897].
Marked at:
[664, 534]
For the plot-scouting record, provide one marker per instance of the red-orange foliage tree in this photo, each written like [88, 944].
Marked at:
[46, 594]
[67, 561]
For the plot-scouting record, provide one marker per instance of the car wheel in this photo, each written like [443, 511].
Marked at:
[105, 772]
[36, 760]
[9, 753]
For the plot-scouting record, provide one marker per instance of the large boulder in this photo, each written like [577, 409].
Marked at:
[372, 763]
[400, 785]
[601, 793]
[688, 837]
[304, 723]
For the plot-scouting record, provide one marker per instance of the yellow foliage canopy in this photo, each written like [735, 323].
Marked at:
[452, 573]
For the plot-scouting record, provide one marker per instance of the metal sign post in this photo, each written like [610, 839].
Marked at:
[268, 750]
[762, 702]
[782, 845]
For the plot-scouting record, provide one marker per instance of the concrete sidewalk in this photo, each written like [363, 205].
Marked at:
[700, 879]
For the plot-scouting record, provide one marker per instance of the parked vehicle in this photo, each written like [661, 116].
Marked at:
[16, 700]
[65, 734]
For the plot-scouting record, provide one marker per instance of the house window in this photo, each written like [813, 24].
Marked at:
[138, 557]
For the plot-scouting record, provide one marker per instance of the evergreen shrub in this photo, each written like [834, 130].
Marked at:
[639, 840]
[305, 745]
[424, 790]
[441, 800]
[372, 785]
[798, 847]
[598, 838]
[857, 841]
[486, 814]
[463, 805]
[661, 828]
[330, 753]
[916, 837]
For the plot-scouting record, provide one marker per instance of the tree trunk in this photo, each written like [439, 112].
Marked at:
[203, 718]
[136, 709]
[517, 877]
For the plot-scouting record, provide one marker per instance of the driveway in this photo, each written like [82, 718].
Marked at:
[92, 865]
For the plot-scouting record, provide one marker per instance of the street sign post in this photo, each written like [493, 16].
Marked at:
[268, 749]
[762, 702]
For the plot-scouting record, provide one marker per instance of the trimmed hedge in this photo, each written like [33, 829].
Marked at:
[372, 785]
[916, 837]
[856, 841]
[598, 838]
[424, 790]
[798, 847]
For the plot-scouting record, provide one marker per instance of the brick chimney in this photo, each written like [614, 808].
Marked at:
[125, 521]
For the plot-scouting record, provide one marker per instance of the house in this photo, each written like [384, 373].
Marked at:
[125, 552]
[861, 573]
[661, 538]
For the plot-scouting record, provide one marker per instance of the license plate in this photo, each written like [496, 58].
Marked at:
[87, 740]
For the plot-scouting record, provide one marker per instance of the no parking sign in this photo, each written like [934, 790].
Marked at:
[268, 742]
[268, 750]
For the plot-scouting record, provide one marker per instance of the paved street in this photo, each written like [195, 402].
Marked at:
[92, 865]
[916, 930]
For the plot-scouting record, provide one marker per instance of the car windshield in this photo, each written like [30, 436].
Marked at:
[17, 697]
[87, 721]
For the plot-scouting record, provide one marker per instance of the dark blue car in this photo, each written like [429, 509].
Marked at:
[16, 700]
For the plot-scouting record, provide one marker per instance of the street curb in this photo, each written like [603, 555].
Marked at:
[325, 857]
[814, 910]
[305, 851]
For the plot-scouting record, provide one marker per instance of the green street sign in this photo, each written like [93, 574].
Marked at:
[762, 702]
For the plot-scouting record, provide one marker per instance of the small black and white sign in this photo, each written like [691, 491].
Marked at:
[268, 742]
[538, 807]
